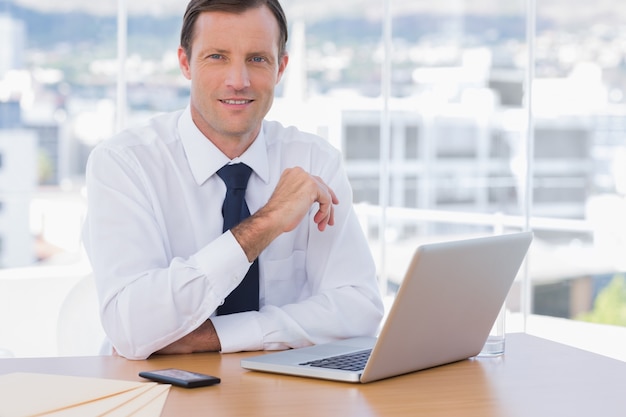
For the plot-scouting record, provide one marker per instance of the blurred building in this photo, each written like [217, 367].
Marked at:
[459, 144]
[12, 44]
[18, 148]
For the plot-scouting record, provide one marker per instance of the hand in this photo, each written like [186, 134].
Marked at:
[295, 193]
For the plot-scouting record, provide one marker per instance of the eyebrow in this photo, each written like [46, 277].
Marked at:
[212, 50]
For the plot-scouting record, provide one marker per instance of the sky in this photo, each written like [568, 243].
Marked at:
[298, 6]
[177, 7]
[106, 7]
[561, 10]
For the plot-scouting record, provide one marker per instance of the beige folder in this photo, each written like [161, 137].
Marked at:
[31, 394]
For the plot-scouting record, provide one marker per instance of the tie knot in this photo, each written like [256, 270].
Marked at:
[235, 176]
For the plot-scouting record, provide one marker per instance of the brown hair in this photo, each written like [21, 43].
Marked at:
[195, 7]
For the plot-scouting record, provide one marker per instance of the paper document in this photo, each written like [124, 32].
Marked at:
[31, 394]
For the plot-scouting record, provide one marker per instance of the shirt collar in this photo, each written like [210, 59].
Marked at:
[205, 159]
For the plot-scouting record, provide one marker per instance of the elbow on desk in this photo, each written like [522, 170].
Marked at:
[121, 342]
[126, 350]
[133, 356]
[134, 334]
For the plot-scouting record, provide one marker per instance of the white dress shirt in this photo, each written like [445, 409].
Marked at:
[162, 264]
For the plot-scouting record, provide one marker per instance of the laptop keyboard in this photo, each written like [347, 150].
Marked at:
[349, 362]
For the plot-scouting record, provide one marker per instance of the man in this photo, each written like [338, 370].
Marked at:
[154, 233]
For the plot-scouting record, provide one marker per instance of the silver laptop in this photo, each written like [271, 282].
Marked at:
[443, 312]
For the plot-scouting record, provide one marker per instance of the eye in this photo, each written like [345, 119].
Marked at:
[215, 56]
[258, 59]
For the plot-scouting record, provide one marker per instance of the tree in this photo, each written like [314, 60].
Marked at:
[610, 304]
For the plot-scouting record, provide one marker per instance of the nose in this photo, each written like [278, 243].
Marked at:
[237, 76]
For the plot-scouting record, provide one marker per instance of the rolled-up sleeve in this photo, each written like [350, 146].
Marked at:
[148, 297]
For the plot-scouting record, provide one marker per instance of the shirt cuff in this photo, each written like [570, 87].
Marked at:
[225, 262]
[239, 332]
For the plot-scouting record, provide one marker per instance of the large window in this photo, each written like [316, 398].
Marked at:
[456, 118]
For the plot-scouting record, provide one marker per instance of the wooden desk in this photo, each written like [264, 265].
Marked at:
[534, 378]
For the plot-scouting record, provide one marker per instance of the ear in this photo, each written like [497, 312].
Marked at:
[281, 67]
[183, 63]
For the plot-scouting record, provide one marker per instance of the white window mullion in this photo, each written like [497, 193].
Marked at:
[122, 32]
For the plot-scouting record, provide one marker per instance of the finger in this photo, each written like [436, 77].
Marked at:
[321, 217]
[325, 214]
[325, 187]
[335, 200]
[327, 221]
[331, 219]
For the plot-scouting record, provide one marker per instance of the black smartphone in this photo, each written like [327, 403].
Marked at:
[180, 378]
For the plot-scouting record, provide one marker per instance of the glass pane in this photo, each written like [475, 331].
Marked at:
[57, 91]
[154, 82]
[579, 107]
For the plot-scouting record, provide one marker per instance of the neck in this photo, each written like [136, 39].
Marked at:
[230, 144]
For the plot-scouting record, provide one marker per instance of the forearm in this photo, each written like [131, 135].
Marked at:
[335, 314]
[330, 292]
[202, 339]
[255, 233]
[145, 312]
[345, 313]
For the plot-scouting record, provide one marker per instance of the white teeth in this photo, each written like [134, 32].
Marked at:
[235, 101]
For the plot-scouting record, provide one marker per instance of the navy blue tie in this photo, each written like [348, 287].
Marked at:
[246, 296]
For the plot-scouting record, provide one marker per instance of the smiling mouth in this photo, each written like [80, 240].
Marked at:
[236, 102]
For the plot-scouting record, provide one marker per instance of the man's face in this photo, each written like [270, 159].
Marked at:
[234, 67]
